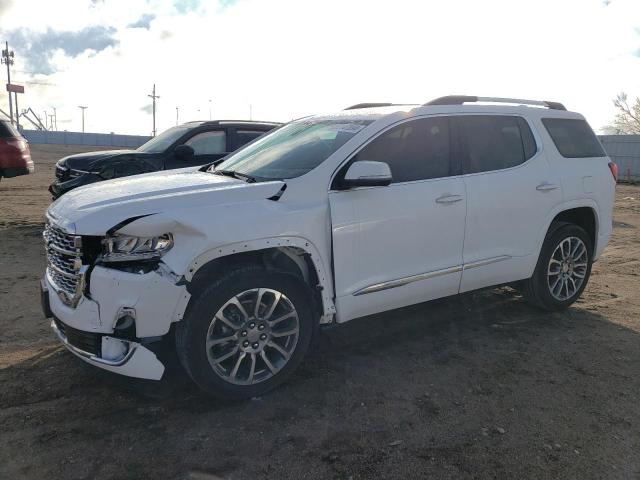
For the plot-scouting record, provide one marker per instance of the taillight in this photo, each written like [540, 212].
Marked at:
[17, 143]
[614, 171]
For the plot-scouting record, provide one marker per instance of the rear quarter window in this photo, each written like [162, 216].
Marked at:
[573, 137]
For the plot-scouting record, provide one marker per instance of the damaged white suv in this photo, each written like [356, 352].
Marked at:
[326, 219]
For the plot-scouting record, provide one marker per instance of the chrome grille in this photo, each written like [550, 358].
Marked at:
[64, 263]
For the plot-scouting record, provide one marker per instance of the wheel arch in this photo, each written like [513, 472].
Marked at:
[583, 213]
[294, 255]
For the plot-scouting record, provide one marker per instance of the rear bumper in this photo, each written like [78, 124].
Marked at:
[16, 171]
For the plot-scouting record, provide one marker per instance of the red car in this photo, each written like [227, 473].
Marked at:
[15, 157]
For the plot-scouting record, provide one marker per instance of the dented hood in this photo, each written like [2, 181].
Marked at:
[94, 209]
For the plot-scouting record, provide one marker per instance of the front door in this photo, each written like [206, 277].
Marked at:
[401, 244]
[208, 147]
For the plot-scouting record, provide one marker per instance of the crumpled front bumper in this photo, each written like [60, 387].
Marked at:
[59, 188]
[138, 361]
[153, 299]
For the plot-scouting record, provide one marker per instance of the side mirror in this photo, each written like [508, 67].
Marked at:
[184, 152]
[367, 174]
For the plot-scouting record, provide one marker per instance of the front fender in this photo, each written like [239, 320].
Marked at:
[271, 242]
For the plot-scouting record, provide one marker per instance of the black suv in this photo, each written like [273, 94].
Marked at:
[186, 145]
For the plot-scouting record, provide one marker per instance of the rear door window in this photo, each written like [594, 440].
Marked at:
[414, 150]
[494, 142]
[246, 136]
[573, 137]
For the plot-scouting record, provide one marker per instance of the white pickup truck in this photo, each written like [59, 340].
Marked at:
[326, 219]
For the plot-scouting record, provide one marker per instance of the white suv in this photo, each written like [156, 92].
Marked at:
[326, 219]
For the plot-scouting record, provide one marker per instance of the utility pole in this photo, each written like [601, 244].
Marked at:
[17, 111]
[46, 119]
[55, 119]
[7, 59]
[250, 112]
[83, 108]
[209, 109]
[51, 116]
[176, 115]
[154, 96]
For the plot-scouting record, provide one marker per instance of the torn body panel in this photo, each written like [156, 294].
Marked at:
[149, 301]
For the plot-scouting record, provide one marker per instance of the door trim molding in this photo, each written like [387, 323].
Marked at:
[378, 287]
[406, 280]
[486, 261]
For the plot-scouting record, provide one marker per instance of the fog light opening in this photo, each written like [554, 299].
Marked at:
[125, 318]
[114, 349]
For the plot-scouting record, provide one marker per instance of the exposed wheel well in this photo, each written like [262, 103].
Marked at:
[584, 217]
[291, 260]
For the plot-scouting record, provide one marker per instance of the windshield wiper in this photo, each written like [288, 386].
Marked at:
[234, 174]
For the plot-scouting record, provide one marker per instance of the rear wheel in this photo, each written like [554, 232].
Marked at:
[563, 268]
[246, 333]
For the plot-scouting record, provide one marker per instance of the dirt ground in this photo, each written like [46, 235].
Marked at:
[483, 386]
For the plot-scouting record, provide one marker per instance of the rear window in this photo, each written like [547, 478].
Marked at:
[8, 130]
[573, 138]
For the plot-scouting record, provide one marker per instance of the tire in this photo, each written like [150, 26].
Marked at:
[235, 328]
[546, 288]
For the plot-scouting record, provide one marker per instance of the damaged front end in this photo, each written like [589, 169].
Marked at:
[111, 298]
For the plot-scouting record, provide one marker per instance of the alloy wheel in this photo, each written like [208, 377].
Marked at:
[252, 336]
[567, 268]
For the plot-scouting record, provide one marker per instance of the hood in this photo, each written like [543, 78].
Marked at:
[94, 209]
[91, 160]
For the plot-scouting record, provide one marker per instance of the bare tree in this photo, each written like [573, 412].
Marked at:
[627, 120]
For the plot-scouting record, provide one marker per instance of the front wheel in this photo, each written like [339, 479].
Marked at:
[244, 334]
[563, 268]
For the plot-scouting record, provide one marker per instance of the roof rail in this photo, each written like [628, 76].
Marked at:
[368, 105]
[460, 99]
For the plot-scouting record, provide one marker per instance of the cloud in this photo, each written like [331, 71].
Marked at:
[4, 6]
[185, 6]
[146, 109]
[38, 48]
[143, 22]
[324, 61]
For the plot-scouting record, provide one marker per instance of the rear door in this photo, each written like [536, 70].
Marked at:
[242, 136]
[400, 244]
[511, 190]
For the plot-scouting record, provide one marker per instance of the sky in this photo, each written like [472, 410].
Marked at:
[283, 59]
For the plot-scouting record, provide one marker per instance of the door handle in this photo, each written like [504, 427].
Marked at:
[546, 187]
[449, 198]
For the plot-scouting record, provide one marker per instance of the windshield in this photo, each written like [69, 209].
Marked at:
[163, 141]
[294, 149]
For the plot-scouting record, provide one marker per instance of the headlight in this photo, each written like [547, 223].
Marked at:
[76, 173]
[124, 248]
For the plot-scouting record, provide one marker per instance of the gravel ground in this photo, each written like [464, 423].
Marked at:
[479, 386]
